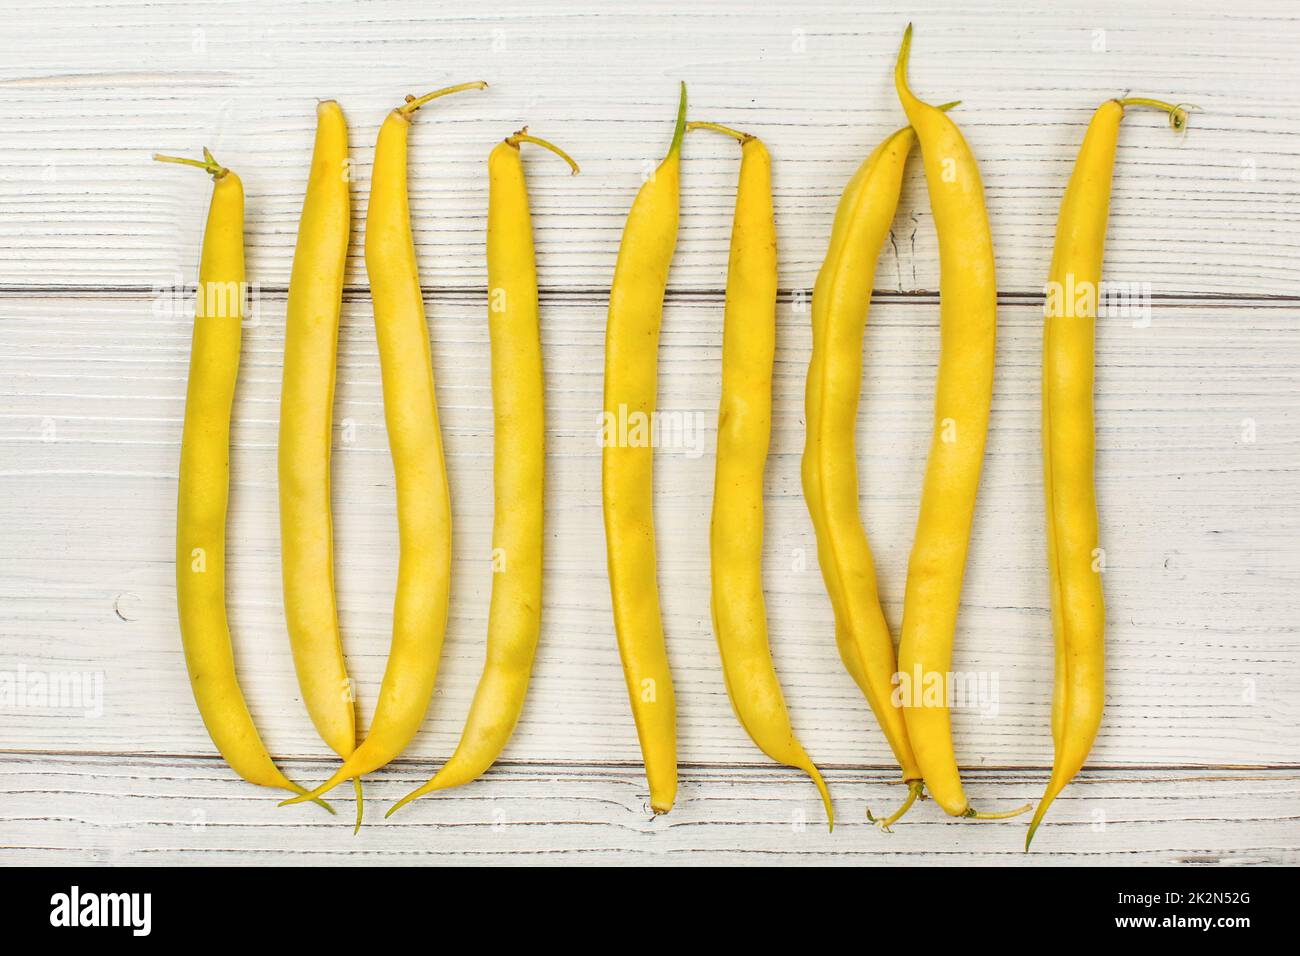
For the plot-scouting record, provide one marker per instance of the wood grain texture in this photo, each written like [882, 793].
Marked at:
[169, 811]
[83, 105]
[1198, 457]
[1199, 528]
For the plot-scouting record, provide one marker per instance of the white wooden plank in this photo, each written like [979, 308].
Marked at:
[88, 91]
[1199, 526]
[160, 811]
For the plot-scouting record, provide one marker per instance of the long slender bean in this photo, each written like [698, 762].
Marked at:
[519, 472]
[968, 307]
[311, 331]
[840, 304]
[744, 432]
[631, 369]
[1069, 444]
[204, 486]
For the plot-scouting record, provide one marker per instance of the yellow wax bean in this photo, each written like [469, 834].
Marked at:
[744, 432]
[968, 307]
[1069, 336]
[311, 332]
[204, 486]
[631, 369]
[519, 471]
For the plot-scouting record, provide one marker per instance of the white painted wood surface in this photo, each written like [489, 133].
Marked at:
[1198, 456]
